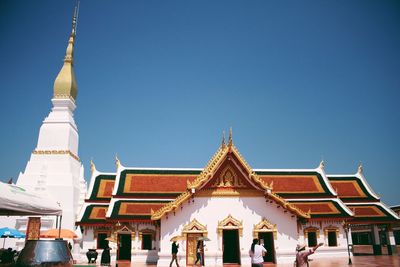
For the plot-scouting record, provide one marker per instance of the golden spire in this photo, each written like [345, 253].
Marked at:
[65, 83]
[230, 137]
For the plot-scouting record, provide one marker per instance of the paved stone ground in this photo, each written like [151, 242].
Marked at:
[359, 261]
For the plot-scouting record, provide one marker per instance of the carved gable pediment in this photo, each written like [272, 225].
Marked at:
[265, 226]
[194, 227]
[230, 223]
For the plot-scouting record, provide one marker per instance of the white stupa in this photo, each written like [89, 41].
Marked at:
[54, 167]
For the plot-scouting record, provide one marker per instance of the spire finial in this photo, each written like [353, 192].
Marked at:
[65, 84]
[223, 144]
[117, 162]
[360, 168]
[92, 166]
[230, 137]
[75, 19]
[322, 164]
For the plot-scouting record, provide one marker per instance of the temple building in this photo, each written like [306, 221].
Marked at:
[140, 210]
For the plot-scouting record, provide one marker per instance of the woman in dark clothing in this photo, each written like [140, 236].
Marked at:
[105, 256]
[174, 251]
[199, 253]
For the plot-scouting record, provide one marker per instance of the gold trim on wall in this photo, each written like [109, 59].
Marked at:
[311, 229]
[152, 232]
[263, 227]
[331, 228]
[195, 227]
[56, 152]
[230, 223]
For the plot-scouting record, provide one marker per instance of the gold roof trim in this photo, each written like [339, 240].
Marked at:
[156, 215]
[194, 227]
[230, 223]
[207, 173]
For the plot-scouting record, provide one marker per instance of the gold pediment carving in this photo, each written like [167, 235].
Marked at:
[228, 178]
[331, 228]
[152, 232]
[230, 223]
[311, 229]
[195, 227]
[265, 226]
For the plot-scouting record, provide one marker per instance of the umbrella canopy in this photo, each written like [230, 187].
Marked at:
[11, 232]
[176, 238]
[203, 238]
[56, 233]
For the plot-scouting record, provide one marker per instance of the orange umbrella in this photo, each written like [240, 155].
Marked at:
[56, 233]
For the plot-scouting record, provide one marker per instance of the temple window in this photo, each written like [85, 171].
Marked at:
[361, 238]
[331, 235]
[312, 238]
[396, 234]
[312, 235]
[146, 241]
[101, 240]
[147, 236]
[332, 238]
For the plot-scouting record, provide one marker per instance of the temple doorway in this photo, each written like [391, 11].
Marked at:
[230, 247]
[267, 238]
[124, 247]
[191, 243]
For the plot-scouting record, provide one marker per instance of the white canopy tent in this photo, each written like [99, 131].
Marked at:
[17, 201]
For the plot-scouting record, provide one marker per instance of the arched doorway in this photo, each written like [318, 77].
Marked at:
[192, 231]
[266, 232]
[230, 229]
[124, 241]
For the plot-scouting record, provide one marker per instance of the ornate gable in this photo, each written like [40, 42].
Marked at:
[230, 223]
[265, 226]
[227, 169]
[195, 227]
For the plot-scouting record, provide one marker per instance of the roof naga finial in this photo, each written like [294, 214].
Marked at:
[223, 144]
[92, 166]
[360, 168]
[322, 164]
[230, 137]
[117, 162]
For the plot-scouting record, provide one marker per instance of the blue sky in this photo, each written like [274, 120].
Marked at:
[158, 81]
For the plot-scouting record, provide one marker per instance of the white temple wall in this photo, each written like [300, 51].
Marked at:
[58, 137]
[327, 251]
[138, 255]
[209, 211]
[57, 175]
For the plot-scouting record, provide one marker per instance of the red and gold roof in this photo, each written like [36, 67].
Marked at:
[144, 194]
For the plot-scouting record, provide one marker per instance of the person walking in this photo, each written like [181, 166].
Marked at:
[105, 256]
[199, 253]
[256, 254]
[302, 254]
[174, 251]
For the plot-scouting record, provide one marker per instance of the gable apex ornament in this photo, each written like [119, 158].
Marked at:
[92, 166]
[117, 162]
[360, 168]
[223, 144]
[230, 142]
[322, 165]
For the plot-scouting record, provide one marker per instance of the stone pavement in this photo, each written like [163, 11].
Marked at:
[358, 261]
